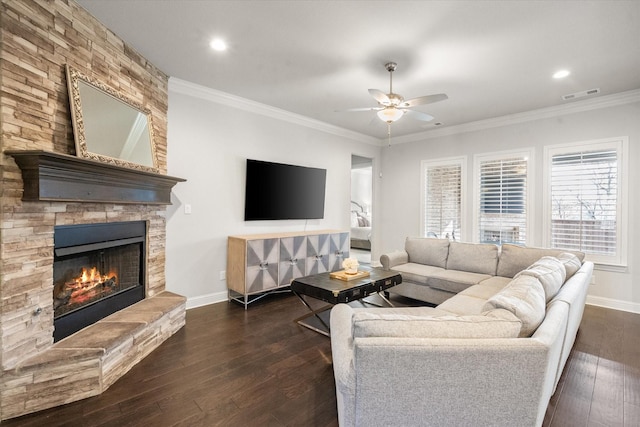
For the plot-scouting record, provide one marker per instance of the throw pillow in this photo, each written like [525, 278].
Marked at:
[489, 325]
[551, 274]
[524, 297]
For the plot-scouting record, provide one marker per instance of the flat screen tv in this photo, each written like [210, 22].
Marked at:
[276, 191]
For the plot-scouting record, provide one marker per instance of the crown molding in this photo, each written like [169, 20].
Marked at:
[227, 99]
[616, 99]
[212, 95]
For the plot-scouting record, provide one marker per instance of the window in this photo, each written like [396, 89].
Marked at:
[442, 198]
[502, 198]
[584, 200]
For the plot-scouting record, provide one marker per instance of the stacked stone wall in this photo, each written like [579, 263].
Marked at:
[37, 39]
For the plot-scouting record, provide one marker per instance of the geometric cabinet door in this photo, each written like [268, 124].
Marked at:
[262, 264]
[293, 254]
[338, 250]
[317, 254]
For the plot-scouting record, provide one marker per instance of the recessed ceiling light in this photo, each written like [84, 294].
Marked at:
[561, 74]
[218, 45]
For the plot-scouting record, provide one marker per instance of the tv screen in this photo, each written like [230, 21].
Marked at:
[281, 191]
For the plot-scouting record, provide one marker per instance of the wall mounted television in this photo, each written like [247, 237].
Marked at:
[276, 191]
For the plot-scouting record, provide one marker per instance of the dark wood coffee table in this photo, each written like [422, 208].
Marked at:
[334, 291]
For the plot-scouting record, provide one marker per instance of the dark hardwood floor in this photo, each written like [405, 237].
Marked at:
[232, 367]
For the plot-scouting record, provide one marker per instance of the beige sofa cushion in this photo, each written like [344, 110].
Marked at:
[514, 258]
[481, 291]
[551, 274]
[473, 257]
[524, 297]
[454, 280]
[571, 263]
[493, 324]
[416, 273]
[428, 251]
[463, 305]
[497, 282]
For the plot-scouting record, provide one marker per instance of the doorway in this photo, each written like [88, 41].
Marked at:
[361, 208]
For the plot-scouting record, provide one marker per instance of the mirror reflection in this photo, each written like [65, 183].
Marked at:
[108, 127]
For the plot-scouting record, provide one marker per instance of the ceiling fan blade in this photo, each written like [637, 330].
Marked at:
[421, 100]
[379, 96]
[351, 110]
[418, 115]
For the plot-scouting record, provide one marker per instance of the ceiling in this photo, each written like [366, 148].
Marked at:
[314, 58]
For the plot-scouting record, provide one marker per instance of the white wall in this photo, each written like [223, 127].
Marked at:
[399, 206]
[208, 144]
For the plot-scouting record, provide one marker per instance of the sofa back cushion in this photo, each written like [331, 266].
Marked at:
[550, 272]
[514, 258]
[494, 324]
[571, 264]
[428, 251]
[473, 257]
[524, 297]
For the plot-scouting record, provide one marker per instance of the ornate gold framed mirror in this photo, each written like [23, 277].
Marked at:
[107, 126]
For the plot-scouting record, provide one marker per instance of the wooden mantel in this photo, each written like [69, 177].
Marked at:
[51, 176]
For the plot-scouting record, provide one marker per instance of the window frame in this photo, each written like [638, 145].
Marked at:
[443, 162]
[621, 145]
[528, 155]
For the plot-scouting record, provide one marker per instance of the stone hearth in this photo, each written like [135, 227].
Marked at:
[38, 38]
[88, 362]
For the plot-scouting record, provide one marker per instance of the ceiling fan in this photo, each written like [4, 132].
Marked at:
[392, 106]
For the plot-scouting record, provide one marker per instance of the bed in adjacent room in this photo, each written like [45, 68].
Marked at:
[360, 228]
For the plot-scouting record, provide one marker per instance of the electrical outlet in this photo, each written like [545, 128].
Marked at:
[223, 275]
[187, 209]
[593, 279]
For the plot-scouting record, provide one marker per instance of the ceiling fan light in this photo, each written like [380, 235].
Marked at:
[390, 115]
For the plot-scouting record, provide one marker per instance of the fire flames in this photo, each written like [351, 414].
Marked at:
[89, 285]
[91, 276]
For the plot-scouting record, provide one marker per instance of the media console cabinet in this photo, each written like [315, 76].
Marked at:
[259, 264]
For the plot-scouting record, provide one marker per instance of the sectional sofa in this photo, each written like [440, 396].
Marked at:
[489, 354]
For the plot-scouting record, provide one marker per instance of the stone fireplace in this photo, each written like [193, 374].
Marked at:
[38, 38]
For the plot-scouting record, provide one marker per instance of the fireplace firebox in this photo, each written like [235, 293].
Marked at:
[98, 269]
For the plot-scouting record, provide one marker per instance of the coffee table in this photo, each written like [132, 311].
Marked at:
[334, 291]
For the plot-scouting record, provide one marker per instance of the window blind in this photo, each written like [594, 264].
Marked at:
[584, 188]
[442, 201]
[502, 205]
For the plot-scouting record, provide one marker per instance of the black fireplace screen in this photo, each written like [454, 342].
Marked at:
[98, 269]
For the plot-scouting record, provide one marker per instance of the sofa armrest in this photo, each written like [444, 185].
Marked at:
[391, 259]
[343, 364]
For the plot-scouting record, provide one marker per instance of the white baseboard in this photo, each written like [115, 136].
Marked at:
[207, 299]
[615, 304]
